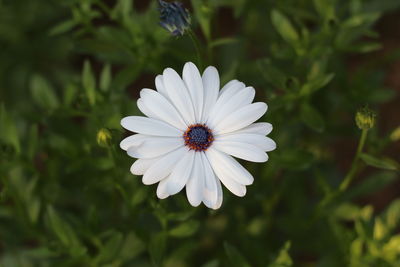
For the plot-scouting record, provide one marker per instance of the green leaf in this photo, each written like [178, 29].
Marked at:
[105, 78]
[65, 233]
[203, 13]
[347, 211]
[185, 229]
[69, 94]
[223, 41]
[272, 73]
[60, 227]
[139, 196]
[236, 259]
[384, 163]
[212, 263]
[356, 250]
[43, 94]
[284, 27]
[365, 47]
[33, 209]
[380, 230]
[283, 259]
[111, 248]
[126, 7]
[315, 84]
[392, 215]
[353, 28]
[131, 247]
[295, 159]
[157, 246]
[391, 249]
[89, 82]
[63, 27]
[8, 132]
[312, 118]
[33, 136]
[326, 8]
[371, 184]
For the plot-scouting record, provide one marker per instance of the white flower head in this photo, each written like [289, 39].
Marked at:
[191, 132]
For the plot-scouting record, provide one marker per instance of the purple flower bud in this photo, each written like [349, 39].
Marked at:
[174, 17]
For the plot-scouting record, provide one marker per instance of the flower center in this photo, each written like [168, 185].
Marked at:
[198, 137]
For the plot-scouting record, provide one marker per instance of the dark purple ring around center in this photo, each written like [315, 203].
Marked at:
[198, 137]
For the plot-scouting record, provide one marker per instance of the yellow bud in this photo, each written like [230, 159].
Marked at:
[395, 135]
[365, 118]
[104, 137]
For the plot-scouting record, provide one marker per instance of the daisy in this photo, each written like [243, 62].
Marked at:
[192, 132]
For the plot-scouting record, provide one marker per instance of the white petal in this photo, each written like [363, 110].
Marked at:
[263, 142]
[163, 166]
[224, 174]
[162, 108]
[263, 128]
[181, 173]
[240, 99]
[242, 150]
[133, 140]
[155, 147]
[149, 126]
[194, 84]
[211, 89]
[179, 95]
[220, 195]
[230, 90]
[162, 192]
[195, 185]
[140, 166]
[145, 110]
[241, 118]
[232, 168]
[212, 193]
[270, 146]
[160, 86]
[228, 85]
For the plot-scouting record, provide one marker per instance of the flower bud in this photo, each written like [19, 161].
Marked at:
[104, 137]
[174, 17]
[395, 135]
[365, 118]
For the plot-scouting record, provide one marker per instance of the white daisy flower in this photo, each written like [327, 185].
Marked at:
[191, 132]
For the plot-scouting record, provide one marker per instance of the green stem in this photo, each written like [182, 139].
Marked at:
[354, 165]
[196, 47]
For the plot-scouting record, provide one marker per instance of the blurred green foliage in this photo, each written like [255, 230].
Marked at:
[71, 69]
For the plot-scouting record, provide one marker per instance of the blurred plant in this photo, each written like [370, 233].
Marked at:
[70, 68]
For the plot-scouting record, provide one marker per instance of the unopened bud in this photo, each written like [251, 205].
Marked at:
[174, 17]
[104, 137]
[395, 135]
[365, 118]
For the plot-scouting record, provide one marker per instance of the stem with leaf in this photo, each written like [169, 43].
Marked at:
[354, 165]
[197, 47]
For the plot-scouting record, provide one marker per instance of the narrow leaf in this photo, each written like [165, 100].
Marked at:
[42, 93]
[312, 118]
[284, 27]
[383, 163]
[235, 257]
[89, 83]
